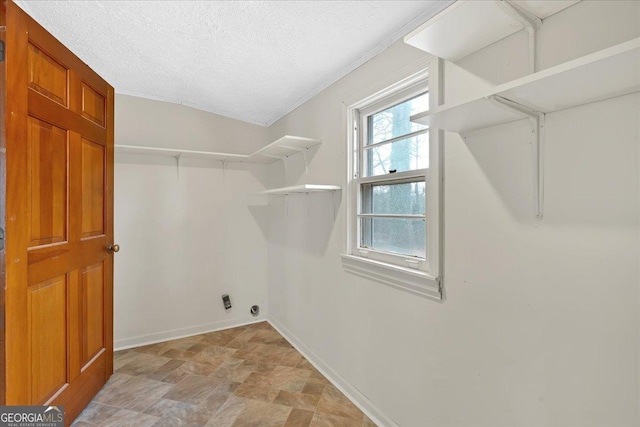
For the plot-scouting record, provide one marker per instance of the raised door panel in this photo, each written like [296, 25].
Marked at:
[92, 295]
[47, 175]
[93, 105]
[93, 188]
[47, 76]
[47, 313]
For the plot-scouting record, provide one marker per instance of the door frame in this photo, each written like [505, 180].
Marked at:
[3, 168]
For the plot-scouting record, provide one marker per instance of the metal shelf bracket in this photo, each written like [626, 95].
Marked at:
[531, 23]
[178, 164]
[537, 120]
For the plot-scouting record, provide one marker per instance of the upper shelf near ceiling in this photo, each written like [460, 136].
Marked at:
[283, 147]
[470, 25]
[611, 72]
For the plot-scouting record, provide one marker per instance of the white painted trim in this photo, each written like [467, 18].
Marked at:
[396, 87]
[389, 90]
[175, 334]
[435, 229]
[341, 383]
[414, 281]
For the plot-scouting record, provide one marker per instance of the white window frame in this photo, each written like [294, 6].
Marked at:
[416, 275]
[359, 177]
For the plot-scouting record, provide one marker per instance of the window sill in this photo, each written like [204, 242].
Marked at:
[414, 281]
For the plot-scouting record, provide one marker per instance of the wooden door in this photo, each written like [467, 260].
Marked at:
[59, 221]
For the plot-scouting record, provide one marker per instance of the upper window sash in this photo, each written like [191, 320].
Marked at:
[394, 122]
[367, 164]
[408, 137]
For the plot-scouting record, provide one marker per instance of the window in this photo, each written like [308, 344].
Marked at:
[394, 196]
[393, 159]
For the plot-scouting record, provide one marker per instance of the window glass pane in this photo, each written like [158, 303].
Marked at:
[402, 199]
[394, 122]
[404, 155]
[395, 235]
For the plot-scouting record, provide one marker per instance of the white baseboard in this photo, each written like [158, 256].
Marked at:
[174, 334]
[359, 399]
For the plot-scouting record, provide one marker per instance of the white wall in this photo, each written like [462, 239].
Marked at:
[167, 125]
[185, 239]
[541, 322]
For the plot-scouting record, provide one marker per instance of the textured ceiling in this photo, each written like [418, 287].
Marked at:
[250, 60]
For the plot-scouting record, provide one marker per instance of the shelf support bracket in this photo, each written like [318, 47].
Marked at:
[537, 120]
[224, 172]
[178, 164]
[306, 163]
[531, 23]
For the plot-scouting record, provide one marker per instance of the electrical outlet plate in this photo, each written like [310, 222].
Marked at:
[226, 300]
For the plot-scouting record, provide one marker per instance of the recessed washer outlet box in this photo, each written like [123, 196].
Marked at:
[255, 310]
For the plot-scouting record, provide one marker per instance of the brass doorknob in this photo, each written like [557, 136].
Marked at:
[113, 248]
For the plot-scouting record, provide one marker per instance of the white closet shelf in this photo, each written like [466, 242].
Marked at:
[175, 152]
[605, 74]
[277, 150]
[300, 189]
[470, 25]
[281, 148]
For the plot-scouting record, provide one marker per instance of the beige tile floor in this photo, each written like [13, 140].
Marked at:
[248, 376]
